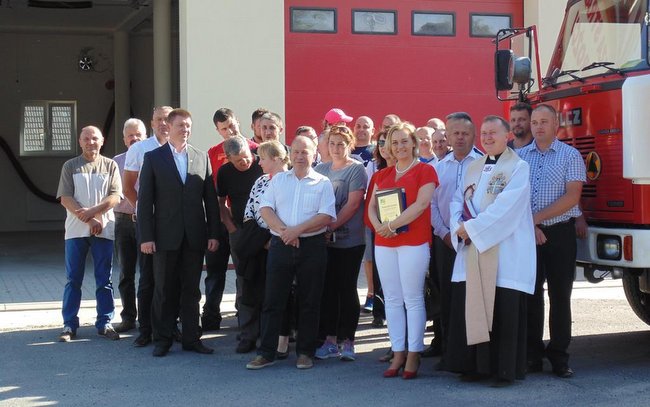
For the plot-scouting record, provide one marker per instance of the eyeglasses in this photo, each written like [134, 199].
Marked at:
[340, 129]
[381, 143]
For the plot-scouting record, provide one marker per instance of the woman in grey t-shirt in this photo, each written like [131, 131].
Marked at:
[340, 303]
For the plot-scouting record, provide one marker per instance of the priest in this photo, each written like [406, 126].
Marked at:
[493, 233]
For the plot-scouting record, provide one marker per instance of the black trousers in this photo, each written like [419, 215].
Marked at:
[307, 264]
[556, 264]
[433, 274]
[178, 275]
[504, 356]
[378, 306]
[340, 307]
[445, 257]
[216, 264]
[252, 297]
[126, 254]
[145, 291]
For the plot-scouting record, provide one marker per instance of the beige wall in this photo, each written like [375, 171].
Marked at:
[232, 55]
[547, 15]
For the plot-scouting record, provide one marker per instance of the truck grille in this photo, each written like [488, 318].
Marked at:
[584, 144]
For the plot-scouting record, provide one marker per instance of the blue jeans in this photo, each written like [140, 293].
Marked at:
[76, 251]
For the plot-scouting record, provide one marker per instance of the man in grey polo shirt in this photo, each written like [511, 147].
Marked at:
[89, 188]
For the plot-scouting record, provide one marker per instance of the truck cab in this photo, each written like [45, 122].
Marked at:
[598, 80]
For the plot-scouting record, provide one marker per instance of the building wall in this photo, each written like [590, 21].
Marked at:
[232, 55]
[43, 66]
[547, 16]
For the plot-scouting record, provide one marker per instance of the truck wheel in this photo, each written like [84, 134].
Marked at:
[639, 301]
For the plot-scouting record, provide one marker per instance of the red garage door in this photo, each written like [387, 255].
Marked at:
[417, 59]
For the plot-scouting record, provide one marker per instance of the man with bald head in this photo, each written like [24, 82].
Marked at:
[389, 120]
[132, 166]
[89, 188]
[297, 207]
[126, 245]
[364, 130]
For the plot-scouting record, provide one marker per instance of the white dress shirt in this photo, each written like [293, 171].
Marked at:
[298, 200]
[450, 174]
[180, 159]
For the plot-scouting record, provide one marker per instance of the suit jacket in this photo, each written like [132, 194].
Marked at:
[169, 210]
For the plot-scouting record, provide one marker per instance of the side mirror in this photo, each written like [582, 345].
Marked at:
[509, 70]
[503, 61]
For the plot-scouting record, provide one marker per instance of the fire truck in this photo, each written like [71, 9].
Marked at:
[598, 80]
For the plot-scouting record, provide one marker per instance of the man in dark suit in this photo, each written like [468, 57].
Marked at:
[178, 217]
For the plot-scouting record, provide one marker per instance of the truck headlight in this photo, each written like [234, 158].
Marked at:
[608, 247]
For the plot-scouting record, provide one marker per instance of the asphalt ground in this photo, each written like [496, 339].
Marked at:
[610, 354]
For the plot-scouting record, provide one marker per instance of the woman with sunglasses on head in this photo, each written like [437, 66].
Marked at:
[402, 247]
[340, 303]
[382, 160]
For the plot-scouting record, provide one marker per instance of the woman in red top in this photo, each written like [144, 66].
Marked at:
[403, 258]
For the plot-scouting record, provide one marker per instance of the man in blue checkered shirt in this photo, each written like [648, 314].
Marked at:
[557, 172]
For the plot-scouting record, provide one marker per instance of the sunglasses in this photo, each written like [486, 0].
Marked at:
[340, 129]
[381, 143]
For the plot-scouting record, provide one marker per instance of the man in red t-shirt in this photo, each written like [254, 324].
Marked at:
[217, 262]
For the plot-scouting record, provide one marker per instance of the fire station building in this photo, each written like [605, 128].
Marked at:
[68, 64]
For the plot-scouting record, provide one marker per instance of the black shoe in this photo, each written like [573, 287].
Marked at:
[142, 341]
[534, 367]
[473, 377]
[500, 383]
[432, 351]
[124, 326]
[160, 351]
[177, 335]
[377, 323]
[199, 347]
[245, 346]
[563, 372]
[210, 324]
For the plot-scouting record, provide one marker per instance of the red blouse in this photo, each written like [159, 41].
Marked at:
[419, 230]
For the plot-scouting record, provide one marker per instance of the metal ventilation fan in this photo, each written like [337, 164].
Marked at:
[86, 63]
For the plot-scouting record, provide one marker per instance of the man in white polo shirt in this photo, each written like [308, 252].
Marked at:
[297, 207]
[132, 167]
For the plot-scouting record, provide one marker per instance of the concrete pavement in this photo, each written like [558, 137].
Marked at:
[609, 354]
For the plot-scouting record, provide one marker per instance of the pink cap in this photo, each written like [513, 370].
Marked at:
[337, 115]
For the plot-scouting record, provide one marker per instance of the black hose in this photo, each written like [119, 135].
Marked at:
[23, 175]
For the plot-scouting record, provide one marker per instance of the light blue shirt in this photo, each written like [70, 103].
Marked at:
[550, 171]
[180, 159]
[450, 173]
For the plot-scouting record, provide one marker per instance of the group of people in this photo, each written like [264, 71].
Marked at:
[301, 221]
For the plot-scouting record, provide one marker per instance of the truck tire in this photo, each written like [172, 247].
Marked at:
[639, 301]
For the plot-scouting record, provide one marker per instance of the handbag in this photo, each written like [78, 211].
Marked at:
[250, 240]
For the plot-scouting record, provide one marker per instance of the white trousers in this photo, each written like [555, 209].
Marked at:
[402, 271]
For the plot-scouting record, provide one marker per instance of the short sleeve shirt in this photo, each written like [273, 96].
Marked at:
[252, 210]
[88, 183]
[298, 200]
[549, 173]
[344, 181]
[124, 206]
[236, 186]
[419, 230]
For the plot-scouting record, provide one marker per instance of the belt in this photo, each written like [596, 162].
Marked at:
[570, 221]
[130, 216]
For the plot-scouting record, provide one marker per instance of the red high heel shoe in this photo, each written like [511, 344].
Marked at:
[393, 372]
[408, 375]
